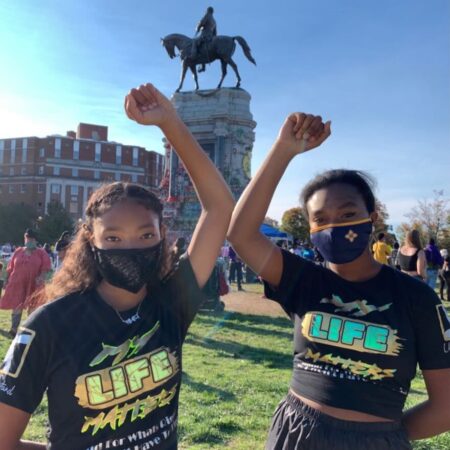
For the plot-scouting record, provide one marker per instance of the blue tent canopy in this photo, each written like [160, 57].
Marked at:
[273, 232]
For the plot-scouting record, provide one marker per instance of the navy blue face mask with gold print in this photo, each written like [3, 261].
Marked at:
[344, 242]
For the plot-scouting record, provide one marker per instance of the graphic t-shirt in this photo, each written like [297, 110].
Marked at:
[109, 384]
[357, 344]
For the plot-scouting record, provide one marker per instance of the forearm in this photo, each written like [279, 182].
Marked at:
[426, 420]
[211, 189]
[252, 207]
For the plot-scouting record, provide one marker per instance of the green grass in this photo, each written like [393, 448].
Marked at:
[236, 369]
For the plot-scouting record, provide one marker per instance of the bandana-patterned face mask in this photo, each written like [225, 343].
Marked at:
[129, 269]
[342, 243]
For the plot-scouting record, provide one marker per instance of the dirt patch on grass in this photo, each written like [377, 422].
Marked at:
[252, 303]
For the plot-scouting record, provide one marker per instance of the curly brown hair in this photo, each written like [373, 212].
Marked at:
[78, 273]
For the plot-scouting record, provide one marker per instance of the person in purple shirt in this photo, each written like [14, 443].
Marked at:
[434, 262]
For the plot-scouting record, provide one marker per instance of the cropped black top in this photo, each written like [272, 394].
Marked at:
[357, 344]
[408, 263]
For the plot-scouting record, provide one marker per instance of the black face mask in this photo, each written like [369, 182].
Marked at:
[129, 269]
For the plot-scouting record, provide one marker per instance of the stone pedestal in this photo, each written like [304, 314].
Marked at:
[222, 123]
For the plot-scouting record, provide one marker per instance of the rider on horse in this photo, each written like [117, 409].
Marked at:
[208, 30]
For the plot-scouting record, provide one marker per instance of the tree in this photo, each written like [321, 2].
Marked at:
[295, 223]
[54, 223]
[15, 218]
[381, 225]
[431, 216]
[272, 222]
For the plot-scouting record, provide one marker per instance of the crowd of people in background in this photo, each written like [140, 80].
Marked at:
[429, 264]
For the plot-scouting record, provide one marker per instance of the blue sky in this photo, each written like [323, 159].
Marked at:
[378, 69]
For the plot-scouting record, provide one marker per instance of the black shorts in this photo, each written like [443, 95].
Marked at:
[297, 426]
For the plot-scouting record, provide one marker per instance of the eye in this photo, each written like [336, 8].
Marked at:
[319, 220]
[112, 239]
[148, 236]
[348, 215]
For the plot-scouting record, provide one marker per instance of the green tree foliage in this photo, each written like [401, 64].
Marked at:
[14, 220]
[294, 223]
[381, 224]
[54, 223]
[431, 217]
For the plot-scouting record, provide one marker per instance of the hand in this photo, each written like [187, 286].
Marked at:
[302, 132]
[147, 106]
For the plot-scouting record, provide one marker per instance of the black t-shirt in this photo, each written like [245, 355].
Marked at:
[109, 384]
[357, 344]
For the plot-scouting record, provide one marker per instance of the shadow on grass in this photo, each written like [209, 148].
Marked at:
[248, 323]
[269, 358]
[5, 334]
[202, 387]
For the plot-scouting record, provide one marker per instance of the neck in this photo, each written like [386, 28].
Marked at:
[120, 299]
[361, 269]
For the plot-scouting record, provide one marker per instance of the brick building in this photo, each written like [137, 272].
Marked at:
[35, 171]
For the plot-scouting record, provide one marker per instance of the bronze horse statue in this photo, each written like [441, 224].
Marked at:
[220, 47]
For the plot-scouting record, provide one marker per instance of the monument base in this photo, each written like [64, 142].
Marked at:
[222, 123]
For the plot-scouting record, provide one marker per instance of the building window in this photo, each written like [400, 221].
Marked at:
[117, 176]
[23, 188]
[98, 152]
[75, 172]
[56, 189]
[135, 156]
[13, 151]
[23, 171]
[56, 170]
[74, 190]
[40, 189]
[73, 207]
[96, 174]
[2, 150]
[41, 152]
[134, 178]
[118, 154]
[41, 170]
[11, 189]
[11, 171]
[24, 149]
[57, 148]
[76, 150]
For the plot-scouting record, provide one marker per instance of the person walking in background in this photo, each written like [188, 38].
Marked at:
[444, 275]
[26, 274]
[434, 262]
[61, 248]
[411, 257]
[381, 250]
[393, 257]
[50, 254]
[235, 269]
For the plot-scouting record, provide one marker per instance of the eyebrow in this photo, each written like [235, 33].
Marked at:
[343, 206]
[142, 227]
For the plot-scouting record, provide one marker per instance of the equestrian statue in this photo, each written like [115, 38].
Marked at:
[205, 49]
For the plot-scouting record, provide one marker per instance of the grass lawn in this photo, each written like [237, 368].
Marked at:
[236, 369]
